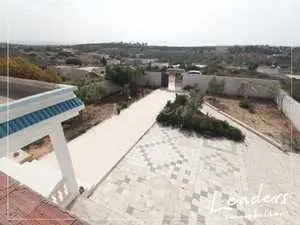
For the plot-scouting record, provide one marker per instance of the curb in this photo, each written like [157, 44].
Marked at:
[269, 140]
[94, 187]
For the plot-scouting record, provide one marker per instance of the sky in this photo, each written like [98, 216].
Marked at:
[157, 22]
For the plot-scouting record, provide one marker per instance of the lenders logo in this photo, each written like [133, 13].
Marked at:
[247, 202]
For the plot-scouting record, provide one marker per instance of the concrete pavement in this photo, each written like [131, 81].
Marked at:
[95, 152]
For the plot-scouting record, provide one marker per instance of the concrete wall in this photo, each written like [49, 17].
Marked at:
[290, 107]
[153, 78]
[263, 87]
[150, 78]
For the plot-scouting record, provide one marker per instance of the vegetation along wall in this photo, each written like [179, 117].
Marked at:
[236, 86]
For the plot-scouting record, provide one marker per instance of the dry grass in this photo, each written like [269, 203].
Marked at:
[92, 115]
[266, 119]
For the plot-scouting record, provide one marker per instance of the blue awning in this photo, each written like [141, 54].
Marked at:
[30, 119]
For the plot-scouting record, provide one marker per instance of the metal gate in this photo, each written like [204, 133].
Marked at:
[164, 79]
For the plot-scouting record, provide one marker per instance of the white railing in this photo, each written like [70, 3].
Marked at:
[60, 194]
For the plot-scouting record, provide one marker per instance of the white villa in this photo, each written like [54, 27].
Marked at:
[31, 110]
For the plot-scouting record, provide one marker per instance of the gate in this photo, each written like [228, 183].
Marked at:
[164, 79]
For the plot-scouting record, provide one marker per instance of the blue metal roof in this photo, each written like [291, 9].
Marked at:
[17, 124]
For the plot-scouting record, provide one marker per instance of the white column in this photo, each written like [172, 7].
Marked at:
[63, 158]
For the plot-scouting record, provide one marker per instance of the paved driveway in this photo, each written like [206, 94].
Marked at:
[173, 178]
[99, 149]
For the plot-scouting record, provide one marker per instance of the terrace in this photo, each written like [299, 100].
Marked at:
[31, 110]
[137, 172]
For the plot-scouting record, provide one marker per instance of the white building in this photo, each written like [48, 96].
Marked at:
[29, 111]
[176, 70]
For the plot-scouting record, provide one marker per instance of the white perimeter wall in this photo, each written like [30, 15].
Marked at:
[232, 84]
[290, 107]
[150, 78]
[153, 78]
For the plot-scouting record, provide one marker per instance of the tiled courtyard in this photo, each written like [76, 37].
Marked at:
[174, 178]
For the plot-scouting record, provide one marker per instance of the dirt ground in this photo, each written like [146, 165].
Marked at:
[92, 115]
[266, 118]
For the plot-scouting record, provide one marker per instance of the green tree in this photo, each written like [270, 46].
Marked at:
[215, 86]
[90, 93]
[119, 75]
[73, 61]
[103, 61]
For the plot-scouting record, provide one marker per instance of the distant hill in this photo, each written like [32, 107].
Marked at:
[23, 68]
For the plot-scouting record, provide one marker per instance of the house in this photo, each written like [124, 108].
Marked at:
[160, 65]
[273, 71]
[99, 71]
[196, 72]
[76, 72]
[200, 66]
[175, 70]
[34, 110]
[112, 62]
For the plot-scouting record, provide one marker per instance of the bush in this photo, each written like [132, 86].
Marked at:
[244, 104]
[247, 105]
[180, 100]
[23, 68]
[73, 61]
[89, 93]
[180, 114]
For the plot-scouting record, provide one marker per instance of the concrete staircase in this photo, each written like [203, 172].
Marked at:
[38, 177]
[43, 179]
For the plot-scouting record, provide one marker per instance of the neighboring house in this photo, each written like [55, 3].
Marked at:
[100, 71]
[272, 71]
[237, 67]
[160, 65]
[113, 62]
[196, 72]
[76, 72]
[175, 70]
[296, 77]
[200, 66]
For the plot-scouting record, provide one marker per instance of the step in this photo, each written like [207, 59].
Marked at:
[31, 175]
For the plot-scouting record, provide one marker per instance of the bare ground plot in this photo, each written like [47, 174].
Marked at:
[266, 119]
[92, 115]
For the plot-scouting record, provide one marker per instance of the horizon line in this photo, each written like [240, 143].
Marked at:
[54, 43]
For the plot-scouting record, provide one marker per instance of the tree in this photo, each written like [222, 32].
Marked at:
[103, 61]
[119, 75]
[252, 66]
[215, 87]
[90, 93]
[73, 61]
[23, 68]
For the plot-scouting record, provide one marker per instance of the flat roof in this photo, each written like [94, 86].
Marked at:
[12, 88]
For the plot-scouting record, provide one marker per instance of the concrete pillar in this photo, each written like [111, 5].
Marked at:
[63, 158]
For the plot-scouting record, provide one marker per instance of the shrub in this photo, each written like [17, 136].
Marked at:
[180, 100]
[89, 93]
[247, 105]
[73, 61]
[24, 68]
[189, 88]
[244, 104]
[180, 114]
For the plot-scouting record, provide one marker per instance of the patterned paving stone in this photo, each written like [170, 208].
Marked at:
[174, 180]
